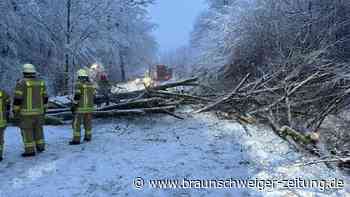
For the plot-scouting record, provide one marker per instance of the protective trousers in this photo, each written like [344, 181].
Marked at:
[32, 133]
[86, 119]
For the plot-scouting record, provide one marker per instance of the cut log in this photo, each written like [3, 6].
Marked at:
[159, 109]
[127, 95]
[56, 105]
[186, 82]
[137, 93]
[55, 111]
[239, 117]
[168, 94]
[286, 131]
[113, 113]
[167, 110]
[142, 103]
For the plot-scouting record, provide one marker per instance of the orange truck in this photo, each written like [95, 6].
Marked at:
[161, 73]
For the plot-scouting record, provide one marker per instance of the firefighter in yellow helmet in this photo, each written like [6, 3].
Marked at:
[29, 107]
[82, 108]
[147, 80]
[4, 116]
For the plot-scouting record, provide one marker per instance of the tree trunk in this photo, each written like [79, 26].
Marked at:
[122, 65]
[67, 66]
[116, 113]
[136, 93]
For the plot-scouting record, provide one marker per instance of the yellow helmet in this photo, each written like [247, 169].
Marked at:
[82, 73]
[29, 68]
[147, 81]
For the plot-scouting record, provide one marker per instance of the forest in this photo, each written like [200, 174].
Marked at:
[62, 36]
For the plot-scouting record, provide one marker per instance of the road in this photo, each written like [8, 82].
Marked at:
[201, 147]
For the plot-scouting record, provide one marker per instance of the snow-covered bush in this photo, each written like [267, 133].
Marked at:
[257, 36]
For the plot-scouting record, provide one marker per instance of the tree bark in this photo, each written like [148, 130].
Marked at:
[67, 66]
[122, 64]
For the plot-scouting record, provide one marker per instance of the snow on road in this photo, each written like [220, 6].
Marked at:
[157, 147]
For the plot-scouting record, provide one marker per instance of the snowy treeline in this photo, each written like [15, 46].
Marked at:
[254, 35]
[60, 36]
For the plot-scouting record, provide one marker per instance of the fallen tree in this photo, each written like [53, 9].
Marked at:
[156, 99]
[140, 103]
[167, 94]
[293, 100]
[117, 112]
[136, 93]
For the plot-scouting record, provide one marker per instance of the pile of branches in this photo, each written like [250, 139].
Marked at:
[158, 99]
[293, 100]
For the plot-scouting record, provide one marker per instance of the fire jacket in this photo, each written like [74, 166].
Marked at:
[30, 97]
[84, 97]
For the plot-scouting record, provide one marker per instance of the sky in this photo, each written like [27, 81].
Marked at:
[175, 19]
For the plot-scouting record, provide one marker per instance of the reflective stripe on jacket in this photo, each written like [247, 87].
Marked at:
[4, 103]
[84, 93]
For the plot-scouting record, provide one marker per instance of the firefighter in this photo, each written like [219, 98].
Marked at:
[4, 116]
[83, 107]
[147, 80]
[105, 87]
[29, 107]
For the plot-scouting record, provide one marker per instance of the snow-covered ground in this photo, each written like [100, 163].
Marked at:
[157, 147]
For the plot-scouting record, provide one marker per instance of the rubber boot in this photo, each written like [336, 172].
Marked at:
[40, 150]
[28, 154]
[74, 143]
[87, 138]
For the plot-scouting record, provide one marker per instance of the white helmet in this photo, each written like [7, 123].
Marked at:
[29, 68]
[97, 66]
